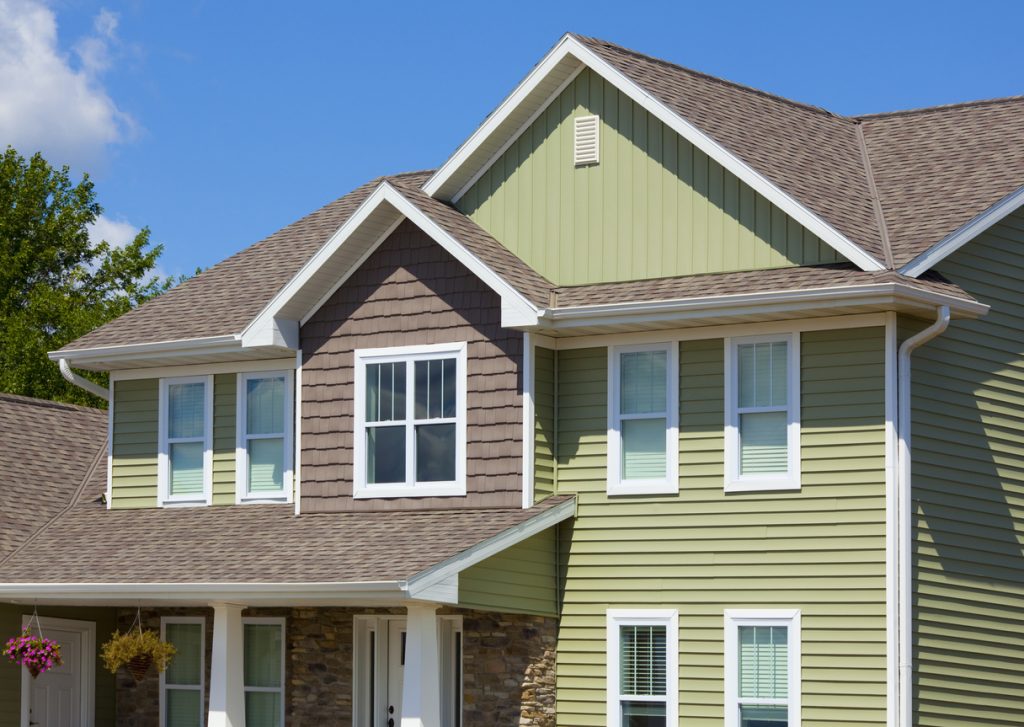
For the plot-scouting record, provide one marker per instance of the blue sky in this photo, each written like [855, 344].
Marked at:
[216, 123]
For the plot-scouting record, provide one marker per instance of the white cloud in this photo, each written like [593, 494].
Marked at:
[117, 232]
[48, 101]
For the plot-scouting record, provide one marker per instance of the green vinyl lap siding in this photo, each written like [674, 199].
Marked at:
[544, 423]
[821, 549]
[654, 206]
[968, 489]
[224, 415]
[520, 579]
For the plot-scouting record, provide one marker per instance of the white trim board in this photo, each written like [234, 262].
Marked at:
[87, 667]
[570, 47]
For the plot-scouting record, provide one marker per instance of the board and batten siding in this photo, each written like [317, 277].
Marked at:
[968, 495]
[520, 579]
[135, 442]
[821, 549]
[655, 206]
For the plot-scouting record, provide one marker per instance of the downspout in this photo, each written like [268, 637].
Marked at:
[82, 382]
[904, 514]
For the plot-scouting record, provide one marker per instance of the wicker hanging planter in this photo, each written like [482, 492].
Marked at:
[137, 650]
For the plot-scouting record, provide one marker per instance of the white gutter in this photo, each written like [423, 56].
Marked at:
[904, 515]
[82, 382]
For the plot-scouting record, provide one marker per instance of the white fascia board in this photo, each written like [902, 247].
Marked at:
[957, 239]
[570, 46]
[492, 546]
[184, 346]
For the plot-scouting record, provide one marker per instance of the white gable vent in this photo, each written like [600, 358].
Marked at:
[585, 140]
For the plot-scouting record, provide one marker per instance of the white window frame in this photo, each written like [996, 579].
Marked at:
[734, 618]
[615, 619]
[790, 479]
[409, 355]
[201, 621]
[242, 493]
[281, 622]
[163, 480]
[668, 485]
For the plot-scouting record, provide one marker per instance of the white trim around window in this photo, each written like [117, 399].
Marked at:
[409, 356]
[285, 433]
[164, 496]
[201, 686]
[281, 623]
[616, 619]
[735, 479]
[618, 481]
[734, 701]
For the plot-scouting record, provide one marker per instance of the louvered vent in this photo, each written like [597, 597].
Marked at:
[585, 140]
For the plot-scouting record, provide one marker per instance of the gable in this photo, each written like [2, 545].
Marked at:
[654, 206]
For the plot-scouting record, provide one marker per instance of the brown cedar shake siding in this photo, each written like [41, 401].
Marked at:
[410, 291]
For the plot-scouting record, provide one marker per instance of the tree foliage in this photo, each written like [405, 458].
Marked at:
[56, 284]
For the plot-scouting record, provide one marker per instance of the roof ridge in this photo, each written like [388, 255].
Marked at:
[718, 79]
[942, 107]
[47, 403]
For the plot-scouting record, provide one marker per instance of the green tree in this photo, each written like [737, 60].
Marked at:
[56, 285]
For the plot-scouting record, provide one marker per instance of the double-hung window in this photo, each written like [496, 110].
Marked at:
[643, 666]
[762, 668]
[185, 461]
[643, 430]
[263, 455]
[263, 671]
[410, 416]
[762, 429]
[182, 684]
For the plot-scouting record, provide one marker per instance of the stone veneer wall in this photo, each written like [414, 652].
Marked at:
[508, 667]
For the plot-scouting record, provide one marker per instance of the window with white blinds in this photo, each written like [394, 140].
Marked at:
[182, 683]
[263, 671]
[762, 668]
[185, 433]
[642, 668]
[263, 453]
[762, 432]
[643, 429]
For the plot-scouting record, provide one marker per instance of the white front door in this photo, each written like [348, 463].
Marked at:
[396, 668]
[58, 697]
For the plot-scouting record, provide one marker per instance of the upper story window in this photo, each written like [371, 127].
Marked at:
[643, 664]
[762, 404]
[263, 454]
[643, 432]
[762, 668]
[410, 415]
[185, 459]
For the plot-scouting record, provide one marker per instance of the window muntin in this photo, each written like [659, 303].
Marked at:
[182, 683]
[185, 431]
[762, 428]
[642, 421]
[410, 421]
[762, 668]
[264, 449]
[642, 668]
[263, 671]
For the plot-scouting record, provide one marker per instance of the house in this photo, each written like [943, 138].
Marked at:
[662, 401]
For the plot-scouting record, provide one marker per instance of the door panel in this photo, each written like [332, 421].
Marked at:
[56, 695]
[396, 669]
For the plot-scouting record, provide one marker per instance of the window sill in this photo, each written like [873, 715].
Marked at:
[763, 485]
[264, 499]
[186, 502]
[616, 489]
[444, 489]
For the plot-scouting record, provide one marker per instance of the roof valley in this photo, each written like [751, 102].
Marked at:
[876, 201]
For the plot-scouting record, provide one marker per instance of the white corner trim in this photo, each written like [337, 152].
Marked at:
[86, 667]
[529, 421]
[569, 46]
[242, 494]
[164, 497]
[891, 512]
[297, 428]
[615, 618]
[967, 232]
[110, 442]
[733, 619]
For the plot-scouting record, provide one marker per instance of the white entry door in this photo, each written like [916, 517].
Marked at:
[57, 698]
[396, 668]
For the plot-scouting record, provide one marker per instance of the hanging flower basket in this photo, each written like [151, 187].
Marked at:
[34, 652]
[137, 650]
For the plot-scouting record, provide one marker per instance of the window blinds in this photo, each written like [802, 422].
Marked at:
[264, 421]
[186, 412]
[764, 662]
[763, 406]
[643, 410]
[642, 661]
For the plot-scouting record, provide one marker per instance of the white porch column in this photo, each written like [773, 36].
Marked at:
[421, 680]
[227, 696]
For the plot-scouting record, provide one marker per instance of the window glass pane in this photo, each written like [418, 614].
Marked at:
[185, 407]
[435, 388]
[643, 449]
[643, 714]
[764, 662]
[183, 707]
[764, 716]
[643, 382]
[385, 454]
[264, 405]
[385, 392]
[186, 666]
[266, 465]
[762, 373]
[262, 709]
[435, 453]
[186, 468]
[763, 443]
[262, 658]
[642, 660]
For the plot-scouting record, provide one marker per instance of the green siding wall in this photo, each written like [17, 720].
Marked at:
[10, 675]
[544, 424]
[655, 206]
[224, 415]
[821, 549]
[521, 579]
[968, 489]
